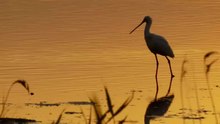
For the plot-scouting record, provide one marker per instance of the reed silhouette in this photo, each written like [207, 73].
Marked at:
[101, 117]
[183, 73]
[84, 116]
[59, 118]
[5, 99]
[199, 117]
[207, 71]
[191, 115]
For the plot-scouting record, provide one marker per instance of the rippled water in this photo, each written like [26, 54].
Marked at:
[68, 50]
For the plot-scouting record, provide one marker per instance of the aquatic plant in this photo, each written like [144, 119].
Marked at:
[5, 99]
[189, 115]
[84, 116]
[207, 70]
[101, 117]
[183, 73]
[59, 118]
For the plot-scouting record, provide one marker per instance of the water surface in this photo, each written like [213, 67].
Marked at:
[68, 50]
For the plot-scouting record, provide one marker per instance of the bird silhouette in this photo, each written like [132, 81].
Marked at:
[157, 45]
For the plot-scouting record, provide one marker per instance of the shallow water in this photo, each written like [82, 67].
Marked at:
[68, 50]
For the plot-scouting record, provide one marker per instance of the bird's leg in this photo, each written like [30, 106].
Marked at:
[157, 86]
[171, 72]
[172, 76]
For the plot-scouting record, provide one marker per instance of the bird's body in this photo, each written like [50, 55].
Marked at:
[157, 45]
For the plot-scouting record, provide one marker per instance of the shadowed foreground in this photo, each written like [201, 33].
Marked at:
[17, 121]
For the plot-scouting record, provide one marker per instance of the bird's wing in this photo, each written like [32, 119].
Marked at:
[161, 46]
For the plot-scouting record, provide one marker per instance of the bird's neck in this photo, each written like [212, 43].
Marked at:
[147, 30]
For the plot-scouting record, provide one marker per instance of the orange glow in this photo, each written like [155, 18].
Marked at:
[69, 49]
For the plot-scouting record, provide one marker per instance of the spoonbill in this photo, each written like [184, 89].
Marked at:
[157, 45]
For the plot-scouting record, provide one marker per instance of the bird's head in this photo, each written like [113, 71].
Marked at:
[146, 19]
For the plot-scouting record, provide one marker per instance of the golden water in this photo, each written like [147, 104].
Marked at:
[68, 50]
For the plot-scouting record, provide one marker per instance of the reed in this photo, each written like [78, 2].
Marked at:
[183, 73]
[191, 115]
[59, 118]
[207, 70]
[83, 114]
[123, 120]
[5, 99]
[109, 114]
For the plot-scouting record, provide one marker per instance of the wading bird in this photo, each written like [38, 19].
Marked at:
[157, 45]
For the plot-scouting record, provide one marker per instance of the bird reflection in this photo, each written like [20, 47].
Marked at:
[158, 108]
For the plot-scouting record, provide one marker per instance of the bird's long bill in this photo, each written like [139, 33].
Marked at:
[137, 27]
